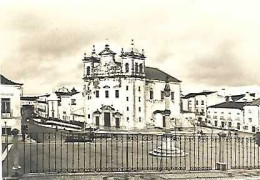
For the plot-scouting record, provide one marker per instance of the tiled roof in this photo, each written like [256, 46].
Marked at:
[157, 74]
[230, 105]
[256, 102]
[6, 81]
[238, 97]
[65, 92]
[190, 95]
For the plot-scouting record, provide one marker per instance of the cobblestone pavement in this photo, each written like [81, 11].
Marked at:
[234, 174]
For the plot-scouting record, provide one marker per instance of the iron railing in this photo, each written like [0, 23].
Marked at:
[70, 152]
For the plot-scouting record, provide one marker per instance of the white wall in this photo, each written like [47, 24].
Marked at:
[225, 115]
[251, 117]
[157, 104]
[13, 92]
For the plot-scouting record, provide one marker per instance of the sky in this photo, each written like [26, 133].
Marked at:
[208, 44]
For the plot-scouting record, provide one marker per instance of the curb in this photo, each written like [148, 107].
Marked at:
[214, 174]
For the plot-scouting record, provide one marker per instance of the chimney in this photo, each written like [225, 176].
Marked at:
[230, 99]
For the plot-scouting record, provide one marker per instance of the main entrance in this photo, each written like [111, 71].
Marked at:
[97, 121]
[107, 122]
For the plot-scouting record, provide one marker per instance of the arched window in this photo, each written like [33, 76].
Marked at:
[88, 70]
[141, 68]
[126, 67]
[136, 68]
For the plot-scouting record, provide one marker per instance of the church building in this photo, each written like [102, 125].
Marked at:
[121, 92]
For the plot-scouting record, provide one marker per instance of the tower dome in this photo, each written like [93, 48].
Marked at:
[133, 52]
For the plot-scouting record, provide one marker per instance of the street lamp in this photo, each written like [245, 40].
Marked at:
[6, 134]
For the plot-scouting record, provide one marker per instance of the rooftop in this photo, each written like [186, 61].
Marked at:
[6, 81]
[256, 102]
[230, 105]
[190, 95]
[157, 74]
[66, 92]
[29, 98]
[238, 97]
[107, 51]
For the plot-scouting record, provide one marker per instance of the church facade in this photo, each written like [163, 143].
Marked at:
[121, 92]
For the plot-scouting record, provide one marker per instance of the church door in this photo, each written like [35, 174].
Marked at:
[117, 123]
[107, 122]
[164, 123]
[97, 121]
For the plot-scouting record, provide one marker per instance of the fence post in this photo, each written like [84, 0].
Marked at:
[16, 165]
[221, 165]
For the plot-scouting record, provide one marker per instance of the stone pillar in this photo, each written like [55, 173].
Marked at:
[15, 151]
[222, 165]
[167, 111]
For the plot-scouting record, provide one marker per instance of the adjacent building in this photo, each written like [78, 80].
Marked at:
[227, 115]
[63, 104]
[10, 93]
[29, 101]
[121, 92]
[241, 114]
[199, 102]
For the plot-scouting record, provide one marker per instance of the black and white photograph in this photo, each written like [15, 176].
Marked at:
[130, 89]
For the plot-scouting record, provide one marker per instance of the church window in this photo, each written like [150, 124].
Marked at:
[127, 98]
[141, 68]
[151, 94]
[5, 105]
[127, 88]
[73, 101]
[88, 70]
[127, 108]
[140, 119]
[127, 119]
[139, 88]
[172, 96]
[97, 94]
[162, 95]
[139, 99]
[117, 93]
[136, 67]
[89, 116]
[106, 94]
[126, 67]
[139, 109]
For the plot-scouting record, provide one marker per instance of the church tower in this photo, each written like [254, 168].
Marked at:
[133, 62]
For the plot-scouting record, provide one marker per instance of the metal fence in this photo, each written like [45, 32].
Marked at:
[63, 152]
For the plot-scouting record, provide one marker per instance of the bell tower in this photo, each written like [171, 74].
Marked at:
[133, 61]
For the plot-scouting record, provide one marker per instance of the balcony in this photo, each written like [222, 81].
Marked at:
[6, 115]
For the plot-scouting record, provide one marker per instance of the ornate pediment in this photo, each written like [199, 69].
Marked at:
[97, 112]
[117, 114]
[158, 111]
[106, 86]
[107, 107]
